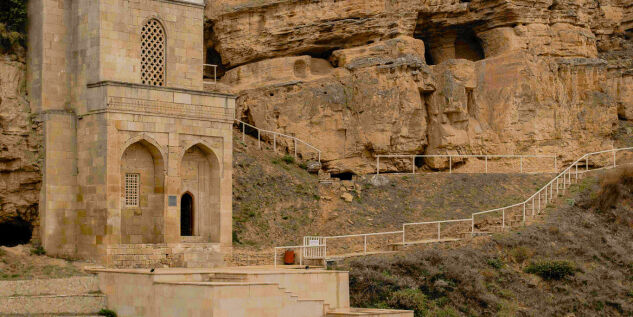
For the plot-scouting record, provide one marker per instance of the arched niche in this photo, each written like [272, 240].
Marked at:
[200, 173]
[142, 207]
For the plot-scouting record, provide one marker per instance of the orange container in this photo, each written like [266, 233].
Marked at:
[289, 257]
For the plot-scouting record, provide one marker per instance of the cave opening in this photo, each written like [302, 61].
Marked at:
[344, 176]
[468, 46]
[419, 161]
[427, 53]
[15, 231]
[213, 58]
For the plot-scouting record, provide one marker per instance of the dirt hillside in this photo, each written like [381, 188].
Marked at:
[576, 262]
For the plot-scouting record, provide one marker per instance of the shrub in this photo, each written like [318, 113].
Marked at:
[520, 254]
[12, 23]
[288, 159]
[107, 313]
[303, 165]
[495, 263]
[410, 298]
[38, 249]
[613, 187]
[551, 270]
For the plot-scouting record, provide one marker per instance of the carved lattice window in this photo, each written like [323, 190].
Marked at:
[132, 189]
[153, 53]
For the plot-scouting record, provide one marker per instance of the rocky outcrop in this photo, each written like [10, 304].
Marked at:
[429, 77]
[20, 144]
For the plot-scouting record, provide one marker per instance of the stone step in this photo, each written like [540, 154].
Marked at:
[86, 304]
[63, 286]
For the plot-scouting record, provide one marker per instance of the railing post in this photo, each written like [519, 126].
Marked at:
[533, 203]
[365, 245]
[319, 157]
[503, 218]
[472, 219]
[524, 214]
[576, 172]
[450, 164]
[521, 159]
[295, 140]
[486, 164]
[587, 163]
[275, 142]
[301, 256]
[551, 191]
[259, 139]
[438, 230]
[614, 158]
[413, 164]
[539, 202]
[243, 132]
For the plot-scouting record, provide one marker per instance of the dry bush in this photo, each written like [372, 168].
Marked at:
[615, 186]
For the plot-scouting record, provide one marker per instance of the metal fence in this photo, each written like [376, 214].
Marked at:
[503, 217]
[454, 158]
[275, 136]
[215, 74]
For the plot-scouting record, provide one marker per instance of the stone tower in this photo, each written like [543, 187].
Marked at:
[137, 167]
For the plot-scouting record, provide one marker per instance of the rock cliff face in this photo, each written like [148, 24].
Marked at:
[20, 142]
[358, 78]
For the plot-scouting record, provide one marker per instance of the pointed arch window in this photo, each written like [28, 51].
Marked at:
[153, 47]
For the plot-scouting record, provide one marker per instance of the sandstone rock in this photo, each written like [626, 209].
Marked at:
[378, 180]
[20, 147]
[347, 197]
[379, 53]
[313, 167]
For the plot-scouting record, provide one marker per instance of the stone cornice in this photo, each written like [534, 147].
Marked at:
[141, 86]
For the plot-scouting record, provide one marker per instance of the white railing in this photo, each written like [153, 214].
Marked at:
[276, 135]
[454, 158]
[530, 207]
[215, 74]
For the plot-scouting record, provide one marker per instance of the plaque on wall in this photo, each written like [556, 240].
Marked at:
[173, 201]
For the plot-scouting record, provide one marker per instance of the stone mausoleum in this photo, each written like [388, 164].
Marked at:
[137, 167]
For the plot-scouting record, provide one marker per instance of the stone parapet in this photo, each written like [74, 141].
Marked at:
[158, 255]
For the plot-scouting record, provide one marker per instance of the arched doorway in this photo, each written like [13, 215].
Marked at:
[186, 215]
[200, 177]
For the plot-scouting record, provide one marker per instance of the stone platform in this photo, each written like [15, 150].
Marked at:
[235, 291]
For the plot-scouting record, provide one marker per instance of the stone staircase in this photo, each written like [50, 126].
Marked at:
[74, 296]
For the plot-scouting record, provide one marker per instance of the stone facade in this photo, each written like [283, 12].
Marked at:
[121, 150]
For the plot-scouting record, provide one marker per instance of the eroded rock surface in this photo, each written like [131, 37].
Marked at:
[20, 142]
[361, 78]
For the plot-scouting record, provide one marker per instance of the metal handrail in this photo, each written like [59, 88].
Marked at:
[275, 134]
[451, 156]
[215, 73]
[547, 190]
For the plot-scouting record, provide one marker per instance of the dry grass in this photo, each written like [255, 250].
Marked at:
[578, 261]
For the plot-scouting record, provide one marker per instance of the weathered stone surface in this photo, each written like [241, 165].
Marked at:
[509, 76]
[20, 146]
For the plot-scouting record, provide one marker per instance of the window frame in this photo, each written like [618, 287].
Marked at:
[129, 194]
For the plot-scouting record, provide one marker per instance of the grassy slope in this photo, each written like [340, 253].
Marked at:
[487, 277]
[276, 203]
